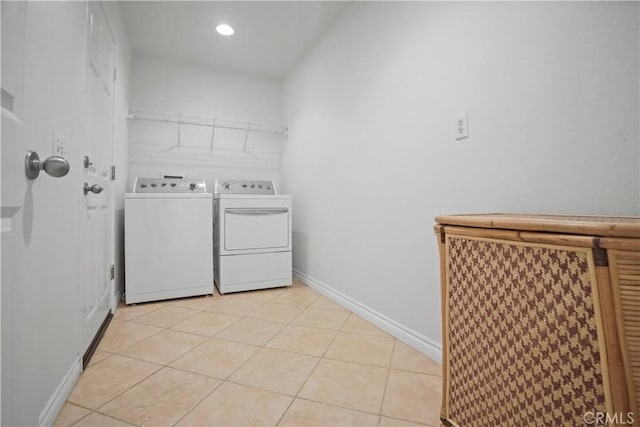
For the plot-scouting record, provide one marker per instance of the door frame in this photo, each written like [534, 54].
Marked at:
[114, 297]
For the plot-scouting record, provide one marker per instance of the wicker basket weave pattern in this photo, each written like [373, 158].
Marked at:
[523, 340]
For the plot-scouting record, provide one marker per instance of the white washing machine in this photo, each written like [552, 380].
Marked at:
[168, 239]
[252, 236]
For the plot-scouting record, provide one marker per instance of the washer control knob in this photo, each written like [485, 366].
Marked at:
[192, 186]
[173, 184]
[226, 185]
[154, 185]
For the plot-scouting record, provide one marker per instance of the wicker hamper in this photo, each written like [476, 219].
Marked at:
[541, 320]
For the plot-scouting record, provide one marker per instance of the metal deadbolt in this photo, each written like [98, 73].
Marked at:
[87, 162]
[95, 188]
[55, 166]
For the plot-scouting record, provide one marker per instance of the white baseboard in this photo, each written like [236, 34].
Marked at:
[408, 336]
[115, 295]
[56, 401]
[115, 299]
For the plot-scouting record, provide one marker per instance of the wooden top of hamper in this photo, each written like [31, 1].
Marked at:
[605, 226]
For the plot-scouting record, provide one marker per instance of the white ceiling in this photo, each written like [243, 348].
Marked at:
[270, 35]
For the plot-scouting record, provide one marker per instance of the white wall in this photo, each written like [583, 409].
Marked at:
[551, 90]
[168, 86]
[120, 139]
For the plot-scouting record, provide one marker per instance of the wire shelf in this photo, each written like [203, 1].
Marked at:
[185, 119]
[189, 139]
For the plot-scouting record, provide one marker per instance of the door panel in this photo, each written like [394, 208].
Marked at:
[94, 239]
[13, 148]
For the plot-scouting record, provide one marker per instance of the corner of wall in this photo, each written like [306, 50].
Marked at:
[403, 333]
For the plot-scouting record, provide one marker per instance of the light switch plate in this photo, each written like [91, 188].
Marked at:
[57, 146]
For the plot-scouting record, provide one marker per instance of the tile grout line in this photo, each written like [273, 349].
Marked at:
[208, 338]
[297, 396]
[116, 418]
[99, 361]
[319, 327]
[211, 336]
[129, 388]
[366, 364]
[319, 401]
[152, 336]
[79, 419]
[294, 398]
[104, 415]
[170, 328]
[284, 413]
[117, 352]
[304, 306]
[386, 384]
[140, 315]
[362, 411]
[97, 410]
[198, 403]
[134, 320]
[348, 408]
[246, 316]
[227, 379]
[207, 310]
[313, 370]
[206, 376]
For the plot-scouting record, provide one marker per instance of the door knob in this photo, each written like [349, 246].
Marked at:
[55, 166]
[95, 188]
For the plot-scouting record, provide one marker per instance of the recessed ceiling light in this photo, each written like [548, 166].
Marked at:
[224, 29]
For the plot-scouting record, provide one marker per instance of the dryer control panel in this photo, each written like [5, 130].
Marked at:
[236, 186]
[169, 185]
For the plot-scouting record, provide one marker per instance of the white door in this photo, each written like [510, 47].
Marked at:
[13, 192]
[95, 224]
[43, 94]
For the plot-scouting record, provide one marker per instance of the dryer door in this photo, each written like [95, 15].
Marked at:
[255, 226]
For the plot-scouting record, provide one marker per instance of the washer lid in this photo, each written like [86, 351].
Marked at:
[168, 196]
[169, 185]
[241, 186]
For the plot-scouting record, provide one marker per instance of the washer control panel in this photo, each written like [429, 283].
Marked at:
[169, 185]
[235, 186]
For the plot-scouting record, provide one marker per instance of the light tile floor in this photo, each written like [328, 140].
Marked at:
[282, 357]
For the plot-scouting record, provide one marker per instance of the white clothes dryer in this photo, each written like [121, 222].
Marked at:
[168, 239]
[252, 236]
